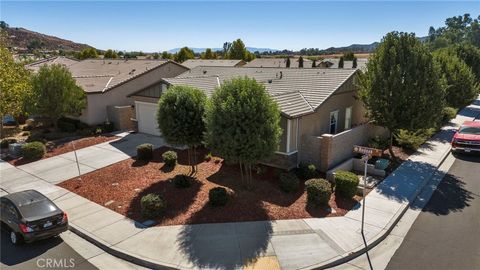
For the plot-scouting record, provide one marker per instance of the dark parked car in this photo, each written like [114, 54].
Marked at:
[9, 120]
[29, 215]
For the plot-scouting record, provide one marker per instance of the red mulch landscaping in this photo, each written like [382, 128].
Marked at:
[65, 146]
[126, 182]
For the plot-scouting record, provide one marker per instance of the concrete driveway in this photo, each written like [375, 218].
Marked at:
[63, 167]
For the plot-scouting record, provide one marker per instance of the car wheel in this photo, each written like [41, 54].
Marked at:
[15, 238]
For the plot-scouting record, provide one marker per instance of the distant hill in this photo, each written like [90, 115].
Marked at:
[200, 50]
[356, 48]
[23, 38]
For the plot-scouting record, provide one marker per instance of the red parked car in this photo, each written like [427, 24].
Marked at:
[467, 138]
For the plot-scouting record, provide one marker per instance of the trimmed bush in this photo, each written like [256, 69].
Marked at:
[448, 113]
[412, 140]
[288, 182]
[182, 181]
[346, 183]
[152, 205]
[217, 196]
[170, 158]
[33, 150]
[318, 191]
[145, 151]
[6, 142]
[307, 171]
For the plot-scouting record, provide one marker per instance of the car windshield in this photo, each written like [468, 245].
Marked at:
[38, 209]
[469, 130]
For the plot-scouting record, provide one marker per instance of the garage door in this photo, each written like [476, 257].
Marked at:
[147, 118]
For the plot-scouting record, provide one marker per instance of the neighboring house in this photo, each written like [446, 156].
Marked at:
[192, 63]
[278, 63]
[62, 60]
[333, 63]
[108, 82]
[313, 102]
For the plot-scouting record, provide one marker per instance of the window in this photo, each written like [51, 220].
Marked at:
[348, 118]
[288, 140]
[333, 122]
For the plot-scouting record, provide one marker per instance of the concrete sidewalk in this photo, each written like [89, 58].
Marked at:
[289, 244]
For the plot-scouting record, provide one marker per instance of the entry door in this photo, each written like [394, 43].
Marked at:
[147, 118]
[333, 122]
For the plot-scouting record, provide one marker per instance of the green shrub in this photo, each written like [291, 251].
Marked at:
[108, 126]
[318, 191]
[36, 137]
[217, 196]
[66, 127]
[98, 130]
[152, 205]
[170, 158]
[33, 150]
[306, 171]
[346, 183]
[378, 143]
[412, 139]
[6, 142]
[448, 113]
[182, 181]
[288, 182]
[145, 151]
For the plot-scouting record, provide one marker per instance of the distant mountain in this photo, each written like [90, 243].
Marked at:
[23, 38]
[356, 48]
[200, 50]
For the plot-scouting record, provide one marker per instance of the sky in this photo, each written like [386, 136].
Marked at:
[160, 25]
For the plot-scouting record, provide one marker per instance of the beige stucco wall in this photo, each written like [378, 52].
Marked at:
[97, 103]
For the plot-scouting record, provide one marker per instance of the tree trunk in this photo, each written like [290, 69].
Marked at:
[390, 148]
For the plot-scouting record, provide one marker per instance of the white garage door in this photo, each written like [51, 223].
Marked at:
[147, 118]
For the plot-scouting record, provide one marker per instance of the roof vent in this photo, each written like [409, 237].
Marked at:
[204, 72]
[281, 74]
[270, 81]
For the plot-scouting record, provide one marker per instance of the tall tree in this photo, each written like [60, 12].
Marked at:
[184, 54]
[300, 62]
[314, 63]
[110, 54]
[55, 93]
[208, 54]
[237, 50]
[242, 123]
[354, 63]
[401, 88]
[167, 55]
[470, 55]
[180, 117]
[287, 63]
[87, 53]
[15, 87]
[348, 56]
[462, 87]
[340, 62]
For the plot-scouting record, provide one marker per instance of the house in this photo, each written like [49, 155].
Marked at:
[333, 63]
[62, 60]
[108, 82]
[192, 63]
[313, 102]
[278, 63]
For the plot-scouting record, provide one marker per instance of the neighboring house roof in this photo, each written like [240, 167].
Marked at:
[278, 62]
[62, 60]
[333, 63]
[297, 91]
[191, 63]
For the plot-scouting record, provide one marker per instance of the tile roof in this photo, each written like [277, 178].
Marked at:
[62, 60]
[361, 63]
[278, 62]
[191, 63]
[297, 91]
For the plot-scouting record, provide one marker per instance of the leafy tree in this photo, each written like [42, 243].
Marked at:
[470, 55]
[226, 49]
[340, 62]
[110, 54]
[15, 87]
[287, 64]
[156, 55]
[35, 44]
[208, 54]
[167, 55]
[300, 62]
[55, 93]
[3, 25]
[314, 63]
[87, 53]
[348, 56]
[237, 50]
[180, 117]
[401, 88]
[457, 29]
[184, 54]
[354, 63]
[242, 123]
[462, 87]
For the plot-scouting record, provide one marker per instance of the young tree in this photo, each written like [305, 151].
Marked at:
[110, 54]
[87, 53]
[401, 88]
[340, 62]
[354, 63]
[55, 93]
[237, 50]
[184, 54]
[462, 87]
[242, 124]
[300, 62]
[15, 87]
[180, 117]
[167, 55]
[208, 54]
[287, 64]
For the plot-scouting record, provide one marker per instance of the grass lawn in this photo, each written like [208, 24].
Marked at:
[121, 186]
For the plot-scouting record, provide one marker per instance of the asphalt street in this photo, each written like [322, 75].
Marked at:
[51, 253]
[446, 234]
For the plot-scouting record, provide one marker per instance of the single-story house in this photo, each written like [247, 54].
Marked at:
[62, 60]
[192, 63]
[278, 63]
[313, 102]
[333, 63]
[108, 82]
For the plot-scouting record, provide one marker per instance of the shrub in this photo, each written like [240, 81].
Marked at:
[448, 113]
[33, 150]
[98, 130]
[288, 182]
[306, 171]
[170, 158]
[145, 151]
[152, 205]
[108, 126]
[208, 157]
[36, 137]
[182, 181]
[217, 196]
[346, 183]
[412, 139]
[378, 142]
[66, 127]
[6, 142]
[318, 191]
